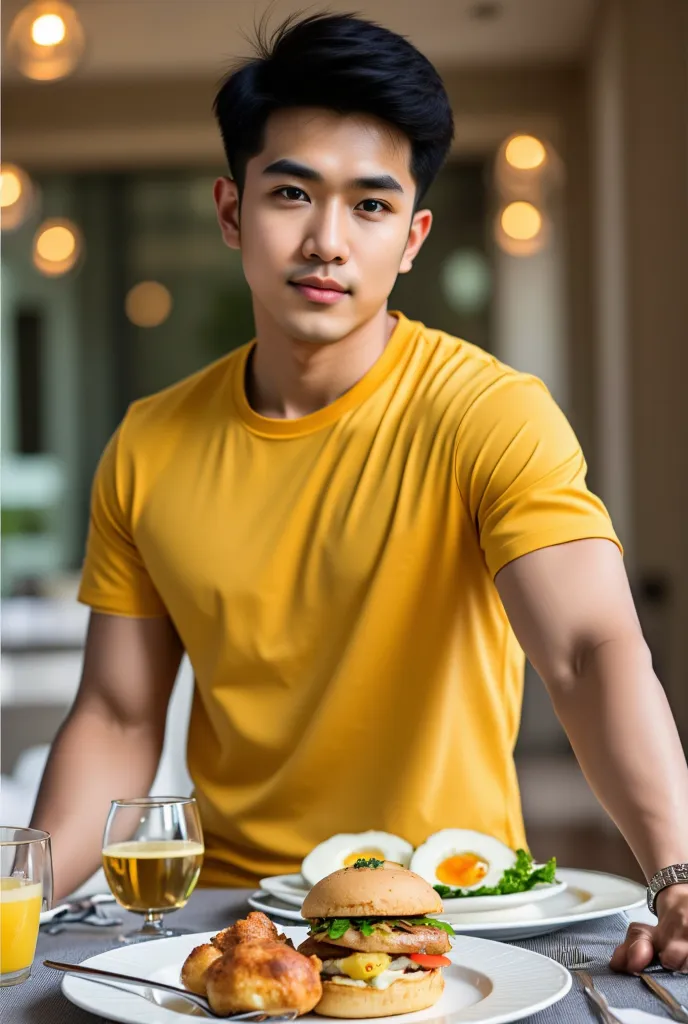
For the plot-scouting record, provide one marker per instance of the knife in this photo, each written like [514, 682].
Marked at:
[597, 998]
[677, 1010]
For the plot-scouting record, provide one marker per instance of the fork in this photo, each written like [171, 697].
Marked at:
[575, 960]
[255, 1016]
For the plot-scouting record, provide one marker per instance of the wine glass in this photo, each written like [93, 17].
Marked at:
[152, 856]
[26, 888]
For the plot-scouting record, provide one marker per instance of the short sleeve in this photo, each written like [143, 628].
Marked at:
[521, 473]
[114, 577]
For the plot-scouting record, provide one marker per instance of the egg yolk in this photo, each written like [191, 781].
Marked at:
[366, 854]
[462, 870]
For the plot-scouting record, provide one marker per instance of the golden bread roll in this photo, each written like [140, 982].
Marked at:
[196, 965]
[263, 975]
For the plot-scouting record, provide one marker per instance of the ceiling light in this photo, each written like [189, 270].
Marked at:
[525, 152]
[148, 304]
[57, 247]
[16, 196]
[48, 30]
[521, 229]
[46, 40]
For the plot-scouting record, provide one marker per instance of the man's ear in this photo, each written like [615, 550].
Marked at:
[419, 231]
[226, 195]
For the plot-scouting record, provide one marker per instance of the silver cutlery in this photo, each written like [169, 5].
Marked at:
[596, 997]
[575, 960]
[677, 1010]
[83, 911]
[94, 974]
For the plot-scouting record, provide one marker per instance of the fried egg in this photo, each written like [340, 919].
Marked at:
[462, 859]
[343, 850]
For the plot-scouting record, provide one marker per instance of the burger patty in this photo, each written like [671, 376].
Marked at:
[413, 939]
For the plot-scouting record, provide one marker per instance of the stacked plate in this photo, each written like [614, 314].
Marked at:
[576, 896]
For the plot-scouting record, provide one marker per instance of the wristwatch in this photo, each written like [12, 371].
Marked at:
[672, 875]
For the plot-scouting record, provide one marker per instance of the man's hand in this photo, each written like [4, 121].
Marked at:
[668, 939]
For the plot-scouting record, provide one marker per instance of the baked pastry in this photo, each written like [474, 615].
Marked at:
[263, 975]
[196, 965]
[255, 927]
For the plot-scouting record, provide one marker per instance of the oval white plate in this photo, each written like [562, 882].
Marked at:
[588, 895]
[488, 983]
[477, 904]
[291, 889]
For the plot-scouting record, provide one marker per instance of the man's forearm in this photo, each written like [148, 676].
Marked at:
[92, 762]
[622, 731]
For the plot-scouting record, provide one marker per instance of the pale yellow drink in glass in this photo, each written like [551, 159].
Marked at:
[154, 875]
[20, 910]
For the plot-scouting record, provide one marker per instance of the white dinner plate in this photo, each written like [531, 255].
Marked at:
[487, 983]
[588, 895]
[274, 906]
[291, 889]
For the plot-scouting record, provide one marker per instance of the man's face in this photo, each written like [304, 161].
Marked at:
[330, 198]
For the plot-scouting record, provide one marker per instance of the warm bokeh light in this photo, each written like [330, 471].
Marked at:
[525, 152]
[57, 247]
[55, 244]
[48, 30]
[17, 195]
[521, 221]
[148, 304]
[46, 40]
[10, 187]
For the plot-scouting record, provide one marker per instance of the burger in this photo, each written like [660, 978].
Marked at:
[381, 953]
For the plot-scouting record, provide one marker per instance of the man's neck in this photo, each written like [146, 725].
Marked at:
[288, 378]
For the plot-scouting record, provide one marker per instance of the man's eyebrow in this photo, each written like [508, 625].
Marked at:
[374, 183]
[378, 183]
[294, 169]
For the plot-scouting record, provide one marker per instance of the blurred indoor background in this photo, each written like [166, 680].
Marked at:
[560, 244]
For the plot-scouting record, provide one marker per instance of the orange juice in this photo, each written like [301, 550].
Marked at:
[20, 910]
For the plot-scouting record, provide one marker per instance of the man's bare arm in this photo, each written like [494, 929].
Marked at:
[572, 611]
[109, 746]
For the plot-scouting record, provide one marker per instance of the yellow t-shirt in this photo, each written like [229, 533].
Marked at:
[331, 578]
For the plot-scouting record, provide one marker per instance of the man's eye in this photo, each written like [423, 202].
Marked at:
[292, 193]
[377, 206]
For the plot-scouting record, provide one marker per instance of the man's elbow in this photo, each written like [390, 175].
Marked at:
[598, 659]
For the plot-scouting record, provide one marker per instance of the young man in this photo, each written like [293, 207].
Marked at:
[347, 524]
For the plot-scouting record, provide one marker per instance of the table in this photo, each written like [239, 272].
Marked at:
[40, 1001]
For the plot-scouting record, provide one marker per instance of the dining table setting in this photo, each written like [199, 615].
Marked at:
[533, 944]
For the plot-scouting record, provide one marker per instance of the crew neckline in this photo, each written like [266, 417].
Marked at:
[268, 426]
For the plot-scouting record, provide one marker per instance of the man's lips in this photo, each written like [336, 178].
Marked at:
[322, 290]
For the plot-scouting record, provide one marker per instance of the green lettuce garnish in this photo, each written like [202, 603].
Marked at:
[337, 926]
[519, 878]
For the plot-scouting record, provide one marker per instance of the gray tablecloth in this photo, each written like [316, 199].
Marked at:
[40, 1001]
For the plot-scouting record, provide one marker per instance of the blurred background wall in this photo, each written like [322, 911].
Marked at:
[560, 244]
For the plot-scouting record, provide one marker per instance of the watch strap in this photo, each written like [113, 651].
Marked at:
[672, 875]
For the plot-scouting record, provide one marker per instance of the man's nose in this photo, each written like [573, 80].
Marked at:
[327, 235]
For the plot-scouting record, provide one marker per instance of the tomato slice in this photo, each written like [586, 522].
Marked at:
[429, 960]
